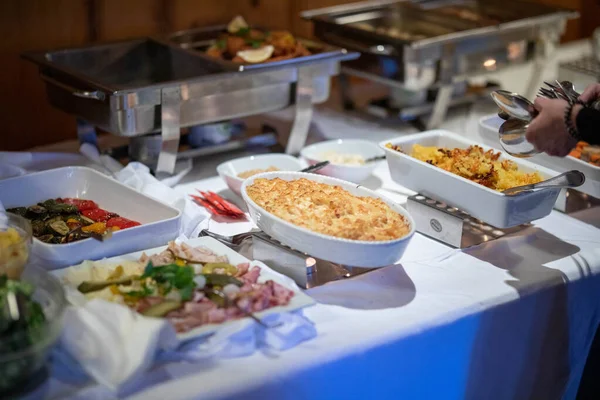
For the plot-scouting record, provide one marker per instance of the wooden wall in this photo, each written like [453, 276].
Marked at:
[27, 119]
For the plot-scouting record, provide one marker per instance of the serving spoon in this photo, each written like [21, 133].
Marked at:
[513, 140]
[569, 179]
[514, 105]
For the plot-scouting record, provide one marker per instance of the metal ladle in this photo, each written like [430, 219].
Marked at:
[569, 179]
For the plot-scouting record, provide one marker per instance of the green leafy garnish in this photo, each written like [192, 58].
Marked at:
[221, 44]
[243, 31]
[254, 43]
[145, 292]
[172, 276]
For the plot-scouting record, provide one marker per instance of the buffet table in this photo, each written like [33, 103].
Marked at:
[510, 319]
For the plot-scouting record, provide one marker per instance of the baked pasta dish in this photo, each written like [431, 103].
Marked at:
[475, 164]
[328, 209]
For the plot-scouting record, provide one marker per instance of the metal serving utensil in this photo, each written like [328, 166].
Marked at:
[569, 179]
[316, 167]
[512, 138]
[514, 105]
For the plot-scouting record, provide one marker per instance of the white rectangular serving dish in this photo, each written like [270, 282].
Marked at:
[300, 300]
[479, 201]
[488, 130]
[355, 253]
[159, 222]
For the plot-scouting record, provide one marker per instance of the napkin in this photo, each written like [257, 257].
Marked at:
[11, 163]
[115, 346]
[137, 176]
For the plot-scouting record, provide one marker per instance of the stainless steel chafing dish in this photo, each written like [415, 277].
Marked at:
[147, 85]
[419, 45]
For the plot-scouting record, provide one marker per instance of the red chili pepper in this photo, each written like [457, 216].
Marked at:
[121, 223]
[99, 215]
[79, 203]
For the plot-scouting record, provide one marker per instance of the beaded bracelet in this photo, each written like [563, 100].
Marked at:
[567, 119]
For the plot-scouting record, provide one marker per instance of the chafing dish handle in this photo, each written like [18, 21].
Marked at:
[95, 95]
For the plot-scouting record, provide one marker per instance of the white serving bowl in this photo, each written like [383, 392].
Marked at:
[351, 173]
[228, 171]
[159, 222]
[356, 253]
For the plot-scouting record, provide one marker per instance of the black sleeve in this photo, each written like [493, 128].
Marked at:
[588, 125]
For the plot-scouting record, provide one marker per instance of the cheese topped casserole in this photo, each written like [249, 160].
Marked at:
[328, 209]
[475, 164]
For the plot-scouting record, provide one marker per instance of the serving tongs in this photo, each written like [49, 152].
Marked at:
[569, 179]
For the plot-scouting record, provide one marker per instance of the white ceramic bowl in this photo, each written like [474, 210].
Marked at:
[356, 253]
[351, 173]
[480, 202]
[228, 171]
[159, 222]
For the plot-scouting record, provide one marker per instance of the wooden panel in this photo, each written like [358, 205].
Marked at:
[274, 14]
[27, 118]
[118, 19]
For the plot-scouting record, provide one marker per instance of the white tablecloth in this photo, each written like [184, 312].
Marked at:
[508, 320]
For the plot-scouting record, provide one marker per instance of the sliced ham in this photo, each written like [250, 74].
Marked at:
[197, 254]
[251, 276]
[242, 269]
[157, 260]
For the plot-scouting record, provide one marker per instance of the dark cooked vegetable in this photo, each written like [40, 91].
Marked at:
[57, 221]
[18, 210]
[161, 309]
[221, 280]
[59, 227]
[94, 286]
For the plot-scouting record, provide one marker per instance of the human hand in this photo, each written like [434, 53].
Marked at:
[591, 93]
[547, 131]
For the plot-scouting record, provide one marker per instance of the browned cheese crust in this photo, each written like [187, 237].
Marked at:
[328, 209]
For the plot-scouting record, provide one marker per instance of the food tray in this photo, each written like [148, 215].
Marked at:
[199, 40]
[488, 130]
[477, 200]
[300, 300]
[353, 253]
[159, 222]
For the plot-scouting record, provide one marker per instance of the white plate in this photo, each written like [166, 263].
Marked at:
[228, 171]
[479, 201]
[356, 253]
[488, 129]
[159, 222]
[351, 173]
[298, 301]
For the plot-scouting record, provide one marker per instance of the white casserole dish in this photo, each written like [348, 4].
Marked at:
[352, 173]
[228, 171]
[159, 222]
[479, 201]
[488, 130]
[356, 253]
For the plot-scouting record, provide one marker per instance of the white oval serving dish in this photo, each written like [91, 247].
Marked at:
[351, 173]
[159, 222]
[228, 171]
[356, 253]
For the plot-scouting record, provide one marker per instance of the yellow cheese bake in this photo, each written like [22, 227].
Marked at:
[475, 164]
[328, 209]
